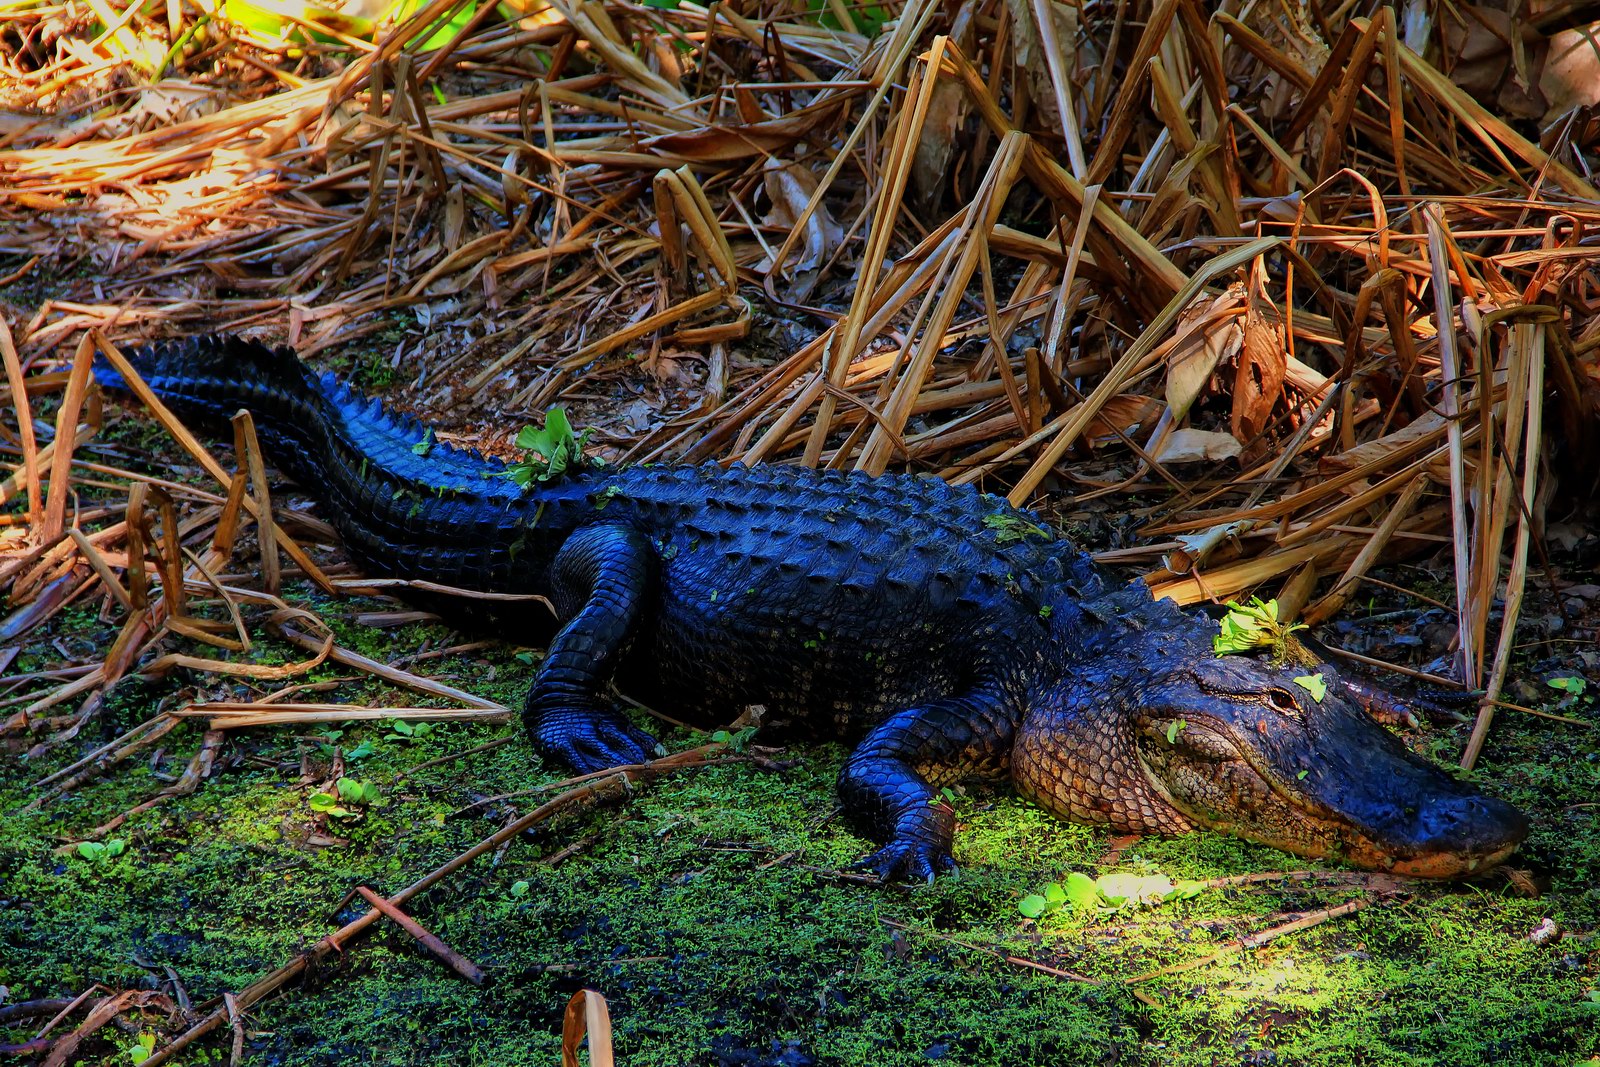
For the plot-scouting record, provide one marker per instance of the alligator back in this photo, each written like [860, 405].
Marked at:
[784, 584]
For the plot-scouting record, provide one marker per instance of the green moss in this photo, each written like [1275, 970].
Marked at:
[708, 913]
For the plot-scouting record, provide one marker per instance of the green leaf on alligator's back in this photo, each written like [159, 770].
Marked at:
[550, 451]
[1010, 527]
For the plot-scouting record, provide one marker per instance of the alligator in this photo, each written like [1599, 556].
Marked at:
[948, 634]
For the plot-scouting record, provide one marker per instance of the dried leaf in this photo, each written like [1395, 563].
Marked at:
[1195, 446]
[790, 188]
[1122, 413]
[1571, 74]
[947, 111]
[1191, 367]
[1031, 61]
[1258, 384]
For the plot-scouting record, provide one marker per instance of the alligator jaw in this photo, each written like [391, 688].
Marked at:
[1385, 809]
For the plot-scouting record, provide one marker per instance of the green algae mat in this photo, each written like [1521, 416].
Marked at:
[710, 909]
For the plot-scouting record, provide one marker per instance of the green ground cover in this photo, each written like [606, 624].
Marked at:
[708, 911]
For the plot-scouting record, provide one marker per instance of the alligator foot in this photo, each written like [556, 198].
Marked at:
[586, 741]
[908, 860]
[1438, 704]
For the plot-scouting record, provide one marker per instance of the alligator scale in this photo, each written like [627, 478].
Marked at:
[955, 636]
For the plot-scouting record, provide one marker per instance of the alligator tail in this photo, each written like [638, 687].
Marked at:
[206, 379]
[307, 423]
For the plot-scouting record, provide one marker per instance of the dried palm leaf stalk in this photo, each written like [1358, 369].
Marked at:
[1317, 290]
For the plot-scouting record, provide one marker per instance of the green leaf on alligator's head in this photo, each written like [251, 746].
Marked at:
[1314, 684]
[1254, 625]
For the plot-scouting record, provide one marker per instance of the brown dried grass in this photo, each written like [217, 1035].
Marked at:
[1061, 252]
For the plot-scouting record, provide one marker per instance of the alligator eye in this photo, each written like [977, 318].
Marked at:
[1283, 701]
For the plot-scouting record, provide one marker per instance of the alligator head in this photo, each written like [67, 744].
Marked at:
[1238, 745]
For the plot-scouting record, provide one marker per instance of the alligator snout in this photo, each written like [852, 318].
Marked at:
[1456, 835]
[1470, 823]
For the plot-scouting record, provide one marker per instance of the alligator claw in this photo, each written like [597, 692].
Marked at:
[908, 861]
[1394, 709]
[590, 743]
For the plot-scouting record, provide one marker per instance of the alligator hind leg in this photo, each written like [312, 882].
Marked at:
[602, 579]
[888, 784]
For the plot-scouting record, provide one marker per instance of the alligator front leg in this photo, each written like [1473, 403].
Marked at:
[601, 580]
[888, 784]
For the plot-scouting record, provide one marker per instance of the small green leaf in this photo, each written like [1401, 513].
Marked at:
[116, 847]
[1046, 611]
[328, 804]
[550, 451]
[1033, 905]
[1252, 625]
[519, 889]
[350, 790]
[1573, 685]
[1187, 890]
[361, 751]
[1082, 892]
[1175, 727]
[424, 446]
[90, 850]
[400, 726]
[1303, 774]
[1010, 527]
[1154, 887]
[1054, 894]
[722, 737]
[1118, 888]
[1313, 684]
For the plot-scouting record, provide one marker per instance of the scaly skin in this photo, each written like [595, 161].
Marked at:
[956, 636]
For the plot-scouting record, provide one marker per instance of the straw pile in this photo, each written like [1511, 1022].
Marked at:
[1315, 281]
